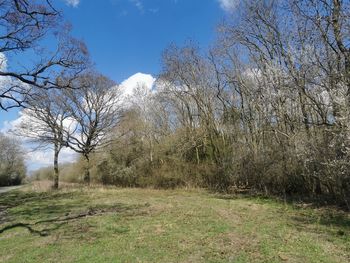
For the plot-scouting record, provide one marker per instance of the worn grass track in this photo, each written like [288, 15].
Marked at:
[141, 225]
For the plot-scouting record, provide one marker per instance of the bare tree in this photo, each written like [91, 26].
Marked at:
[46, 122]
[24, 25]
[95, 106]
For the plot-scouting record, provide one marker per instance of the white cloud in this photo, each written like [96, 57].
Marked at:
[43, 158]
[10, 87]
[73, 3]
[137, 80]
[138, 4]
[3, 62]
[229, 5]
[10, 125]
[4, 80]
[39, 157]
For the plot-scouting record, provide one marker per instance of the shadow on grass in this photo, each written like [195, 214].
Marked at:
[304, 214]
[16, 198]
[43, 213]
[29, 227]
[30, 206]
[326, 217]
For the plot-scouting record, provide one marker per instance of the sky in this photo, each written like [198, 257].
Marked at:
[126, 38]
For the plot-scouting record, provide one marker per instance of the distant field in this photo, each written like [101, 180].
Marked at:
[140, 225]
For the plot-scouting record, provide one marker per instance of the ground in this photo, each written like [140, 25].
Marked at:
[4, 189]
[142, 225]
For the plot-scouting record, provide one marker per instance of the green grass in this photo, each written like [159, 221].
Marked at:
[140, 225]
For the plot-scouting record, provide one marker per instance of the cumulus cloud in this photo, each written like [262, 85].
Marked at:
[129, 85]
[73, 3]
[229, 5]
[10, 125]
[24, 116]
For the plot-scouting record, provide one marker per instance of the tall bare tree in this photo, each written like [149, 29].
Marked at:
[96, 107]
[46, 122]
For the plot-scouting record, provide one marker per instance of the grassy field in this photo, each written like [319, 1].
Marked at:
[142, 225]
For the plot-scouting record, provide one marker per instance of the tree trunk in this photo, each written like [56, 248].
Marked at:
[87, 170]
[55, 167]
[197, 155]
[151, 151]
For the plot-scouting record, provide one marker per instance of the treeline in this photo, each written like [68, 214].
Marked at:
[69, 172]
[266, 108]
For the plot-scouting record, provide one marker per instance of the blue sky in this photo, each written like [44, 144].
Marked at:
[125, 37]
[128, 36]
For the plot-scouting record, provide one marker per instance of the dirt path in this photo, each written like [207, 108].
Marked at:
[9, 188]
